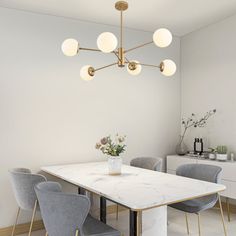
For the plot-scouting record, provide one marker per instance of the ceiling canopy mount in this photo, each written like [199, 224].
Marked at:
[121, 5]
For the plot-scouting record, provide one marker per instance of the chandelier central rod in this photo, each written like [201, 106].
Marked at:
[121, 6]
[121, 28]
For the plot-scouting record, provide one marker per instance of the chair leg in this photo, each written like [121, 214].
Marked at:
[222, 216]
[14, 226]
[187, 224]
[32, 219]
[228, 208]
[117, 211]
[77, 232]
[199, 224]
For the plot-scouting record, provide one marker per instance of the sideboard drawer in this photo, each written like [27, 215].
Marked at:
[230, 189]
[228, 177]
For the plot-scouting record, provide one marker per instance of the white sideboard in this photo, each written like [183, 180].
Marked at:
[228, 171]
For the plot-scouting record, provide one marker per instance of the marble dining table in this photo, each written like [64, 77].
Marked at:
[144, 192]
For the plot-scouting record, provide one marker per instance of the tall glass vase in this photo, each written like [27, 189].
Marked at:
[181, 148]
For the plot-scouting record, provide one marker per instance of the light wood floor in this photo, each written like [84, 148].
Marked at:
[211, 224]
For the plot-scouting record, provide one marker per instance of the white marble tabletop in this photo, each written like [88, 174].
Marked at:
[135, 188]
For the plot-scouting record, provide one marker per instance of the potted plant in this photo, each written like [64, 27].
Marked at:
[221, 153]
[113, 148]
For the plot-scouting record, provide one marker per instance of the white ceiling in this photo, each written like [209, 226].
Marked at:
[180, 16]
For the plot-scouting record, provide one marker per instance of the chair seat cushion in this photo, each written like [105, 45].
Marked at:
[195, 205]
[94, 227]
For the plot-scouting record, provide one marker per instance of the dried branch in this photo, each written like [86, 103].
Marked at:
[193, 122]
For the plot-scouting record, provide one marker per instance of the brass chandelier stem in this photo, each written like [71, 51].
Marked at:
[121, 29]
[121, 52]
[121, 55]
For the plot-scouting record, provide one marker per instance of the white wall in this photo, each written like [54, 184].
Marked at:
[208, 72]
[48, 115]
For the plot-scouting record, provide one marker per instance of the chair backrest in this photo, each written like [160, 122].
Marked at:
[149, 163]
[62, 213]
[208, 173]
[23, 182]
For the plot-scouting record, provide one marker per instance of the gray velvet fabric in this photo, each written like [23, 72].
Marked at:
[97, 228]
[209, 173]
[64, 213]
[23, 182]
[149, 163]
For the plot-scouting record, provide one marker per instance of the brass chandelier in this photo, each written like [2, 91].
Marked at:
[107, 43]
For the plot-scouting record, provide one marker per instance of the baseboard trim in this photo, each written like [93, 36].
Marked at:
[38, 225]
[22, 228]
[224, 206]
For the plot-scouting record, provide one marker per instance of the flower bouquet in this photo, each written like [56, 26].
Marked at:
[113, 148]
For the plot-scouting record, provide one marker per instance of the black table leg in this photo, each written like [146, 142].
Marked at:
[81, 191]
[133, 215]
[103, 209]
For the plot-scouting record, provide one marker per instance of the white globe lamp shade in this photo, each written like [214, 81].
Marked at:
[107, 42]
[134, 68]
[168, 67]
[70, 47]
[87, 73]
[162, 37]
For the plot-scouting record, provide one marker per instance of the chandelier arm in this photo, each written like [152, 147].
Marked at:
[139, 46]
[103, 67]
[150, 65]
[127, 60]
[116, 53]
[90, 49]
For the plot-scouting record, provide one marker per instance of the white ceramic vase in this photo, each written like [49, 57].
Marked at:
[114, 165]
[221, 157]
[212, 156]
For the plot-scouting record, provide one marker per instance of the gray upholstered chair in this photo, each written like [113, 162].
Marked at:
[209, 173]
[149, 163]
[23, 182]
[66, 214]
